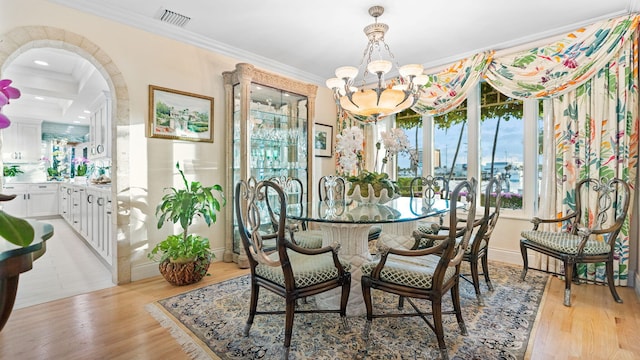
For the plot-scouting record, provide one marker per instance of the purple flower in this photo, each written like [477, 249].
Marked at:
[6, 93]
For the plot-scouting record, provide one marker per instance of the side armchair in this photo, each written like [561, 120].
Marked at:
[588, 233]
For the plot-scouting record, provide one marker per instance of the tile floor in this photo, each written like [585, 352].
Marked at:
[67, 268]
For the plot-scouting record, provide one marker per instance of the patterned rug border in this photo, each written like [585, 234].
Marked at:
[197, 349]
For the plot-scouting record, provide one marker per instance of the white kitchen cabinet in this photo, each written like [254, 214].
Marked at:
[64, 201]
[21, 142]
[18, 206]
[100, 129]
[42, 200]
[32, 200]
[99, 222]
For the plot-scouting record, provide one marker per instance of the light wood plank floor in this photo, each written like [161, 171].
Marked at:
[112, 324]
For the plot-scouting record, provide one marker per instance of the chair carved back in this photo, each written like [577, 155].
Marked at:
[331, 187]
[257, 205]
[428, 187]
[466, 190]
[600, 207]
[294, 194]
[492, 203]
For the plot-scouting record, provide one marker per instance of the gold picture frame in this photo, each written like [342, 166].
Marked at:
[179, 115]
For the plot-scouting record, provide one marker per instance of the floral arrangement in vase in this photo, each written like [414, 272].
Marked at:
[366, 186]
[81, 166]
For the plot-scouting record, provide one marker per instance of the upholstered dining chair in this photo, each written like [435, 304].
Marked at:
[588, 233]
[336, 186]
[297, 230]
[426, 274]
[291, 272]
[429, 188]
[478, 249]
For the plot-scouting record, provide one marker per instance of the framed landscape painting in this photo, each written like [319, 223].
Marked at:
[323, 139]
[179, 115]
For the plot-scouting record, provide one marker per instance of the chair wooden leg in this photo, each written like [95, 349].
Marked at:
[366, 294]
[290, 309]
[439, 329]
[612, 287]
[253, 305]
[473, 264]
[568, 278]
[455, 299]
[344, 299]
[485, 271]
[525, 261]
[400, 302]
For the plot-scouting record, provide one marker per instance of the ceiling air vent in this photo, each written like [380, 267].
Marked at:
[173, 18]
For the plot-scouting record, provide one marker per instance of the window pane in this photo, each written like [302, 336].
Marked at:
[502, 122]
[446, 137]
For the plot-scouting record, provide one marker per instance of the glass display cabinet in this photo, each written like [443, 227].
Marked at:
[269, 135]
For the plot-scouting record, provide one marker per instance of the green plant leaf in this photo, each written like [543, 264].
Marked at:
[16, 230]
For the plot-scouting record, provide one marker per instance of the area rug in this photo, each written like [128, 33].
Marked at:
[208, 322]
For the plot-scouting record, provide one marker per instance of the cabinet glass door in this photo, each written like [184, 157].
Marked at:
[277, 137]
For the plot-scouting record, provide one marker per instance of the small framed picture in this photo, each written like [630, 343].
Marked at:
[323, 140]
[179, 115]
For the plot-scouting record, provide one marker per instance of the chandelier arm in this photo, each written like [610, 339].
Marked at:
[349, 96]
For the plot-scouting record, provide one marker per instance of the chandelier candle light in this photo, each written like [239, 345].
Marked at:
[383, 99]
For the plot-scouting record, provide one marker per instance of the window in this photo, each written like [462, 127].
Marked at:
[501, 125]
[517, 153]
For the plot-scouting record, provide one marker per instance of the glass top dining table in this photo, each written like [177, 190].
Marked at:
[402, 209]
[348, 223]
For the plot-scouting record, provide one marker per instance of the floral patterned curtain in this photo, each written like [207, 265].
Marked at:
[596, 135]
[562, 66]
[591, 76]
[448, 88]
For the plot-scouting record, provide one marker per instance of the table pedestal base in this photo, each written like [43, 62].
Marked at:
[354, 248]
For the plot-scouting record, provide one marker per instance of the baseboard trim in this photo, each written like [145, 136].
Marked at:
[505, 256]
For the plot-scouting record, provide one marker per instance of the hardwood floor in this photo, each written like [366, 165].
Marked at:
[112, 324]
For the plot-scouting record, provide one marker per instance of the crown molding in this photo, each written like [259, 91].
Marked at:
[177, 33]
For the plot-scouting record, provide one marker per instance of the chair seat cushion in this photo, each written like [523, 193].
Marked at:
[565, 242]
[428, 227]
[396, 241]
[308, 239]
[413, 271]
[374, 232]
[307, 269]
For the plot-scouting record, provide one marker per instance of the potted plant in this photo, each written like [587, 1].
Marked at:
[184, 258]
[11, 170]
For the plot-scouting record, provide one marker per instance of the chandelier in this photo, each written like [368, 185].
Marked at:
[385, 98]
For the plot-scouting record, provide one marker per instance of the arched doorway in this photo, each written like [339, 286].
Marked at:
[20, 40]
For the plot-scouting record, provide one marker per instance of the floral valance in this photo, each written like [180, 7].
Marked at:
[540, 72]
[551, 70]
[448, 88]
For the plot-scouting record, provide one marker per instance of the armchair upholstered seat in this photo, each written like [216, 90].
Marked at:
[423, 274]
[290, 271]
[588, 233]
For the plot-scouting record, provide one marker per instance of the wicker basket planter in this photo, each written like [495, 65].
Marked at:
[180, 274]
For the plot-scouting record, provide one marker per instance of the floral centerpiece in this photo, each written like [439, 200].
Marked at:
[366, 186]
